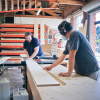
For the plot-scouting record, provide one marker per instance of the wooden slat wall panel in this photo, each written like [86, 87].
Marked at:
[0, 5]
[36, 28]
[42, 31]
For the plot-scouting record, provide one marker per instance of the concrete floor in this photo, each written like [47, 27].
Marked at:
[16, 76]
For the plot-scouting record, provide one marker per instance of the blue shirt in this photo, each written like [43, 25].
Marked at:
[30, 46]
[85, 60]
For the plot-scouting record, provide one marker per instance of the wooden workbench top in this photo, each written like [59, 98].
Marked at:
[77, 87]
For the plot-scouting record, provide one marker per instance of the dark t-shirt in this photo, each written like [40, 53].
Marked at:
[85, 61]
[30, 46]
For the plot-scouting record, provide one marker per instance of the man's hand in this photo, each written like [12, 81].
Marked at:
[28, 58]
[47, 68]
[65, 74]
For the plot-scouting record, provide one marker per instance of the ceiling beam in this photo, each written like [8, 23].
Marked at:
[32, 4]
[32, 12]
[72, 9]
[30, 1]
[38, 4]
[54, 5]
[71, 2]
[51, 13]
[39, 16]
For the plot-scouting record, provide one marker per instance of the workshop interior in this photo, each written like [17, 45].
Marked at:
[49, 49]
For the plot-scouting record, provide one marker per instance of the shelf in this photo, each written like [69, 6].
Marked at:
[19, 30]
[12, 59]
[14, 41]
[10, 53]
[20, 26]
[5, 35]
[11, 46]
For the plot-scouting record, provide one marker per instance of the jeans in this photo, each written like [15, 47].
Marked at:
[95, 76]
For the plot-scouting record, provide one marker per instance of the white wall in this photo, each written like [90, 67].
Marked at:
[52, 23]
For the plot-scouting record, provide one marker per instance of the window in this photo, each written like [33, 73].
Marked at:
[78, 23]
[68, 20]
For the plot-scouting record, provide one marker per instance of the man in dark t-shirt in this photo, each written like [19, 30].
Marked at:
[32, 46]
[81, 57]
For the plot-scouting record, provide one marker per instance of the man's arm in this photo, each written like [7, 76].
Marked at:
[36, 50]
[71, 59]
[57, 62]
[26, 53]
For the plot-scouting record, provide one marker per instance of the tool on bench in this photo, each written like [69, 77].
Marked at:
[47, 61]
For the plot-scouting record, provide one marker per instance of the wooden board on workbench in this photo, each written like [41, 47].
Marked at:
[41, 77]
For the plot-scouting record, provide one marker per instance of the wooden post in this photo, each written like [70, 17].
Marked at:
[12, 5]
[29, 4]
[42, 31]
[36, 28]
[29, 91]
[23, 4]
[0, 5]
[43, 13]
[35, 3]
[17, 4]
[6, 5]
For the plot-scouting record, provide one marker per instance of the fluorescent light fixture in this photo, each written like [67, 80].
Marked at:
[38, 11]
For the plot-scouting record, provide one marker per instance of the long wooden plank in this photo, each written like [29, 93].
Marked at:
[30, 4]
[11, 39]
[74, 89]
[0, 5]
[11, 46]
[17, 4]
[14, 41]
[12, 5]
[1, 53]
[2, 60]
[23, 55]
[36, 28]
[23, 4]
[20, 30]
[12, 34]
[16, 30]
[33, 87]
[6, 5]
[16, 35]
[20, 25]
[42, 31]
[13, 51]
[41, 77]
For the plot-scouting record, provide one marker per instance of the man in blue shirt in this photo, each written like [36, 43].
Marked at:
[81, 57]
[32, 46]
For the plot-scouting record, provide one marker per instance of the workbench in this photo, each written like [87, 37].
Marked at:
[77, 87]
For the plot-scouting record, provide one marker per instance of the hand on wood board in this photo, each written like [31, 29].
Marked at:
[64, 74]
[47, 68]
[28, 58]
